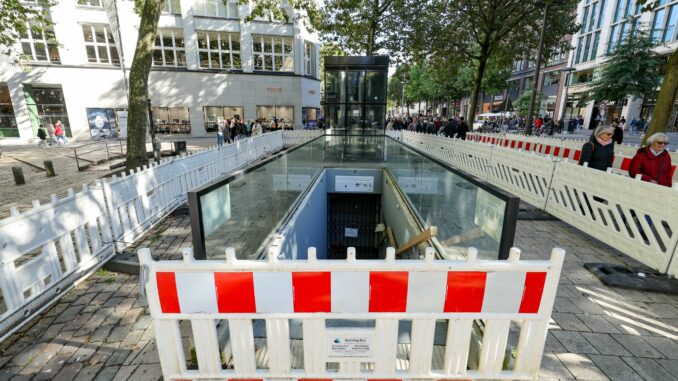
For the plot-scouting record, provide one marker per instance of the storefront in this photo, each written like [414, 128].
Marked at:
[8, 126]
[171, 120]
[46, 105]
[276, 117]
[216, 114]
[309, 116]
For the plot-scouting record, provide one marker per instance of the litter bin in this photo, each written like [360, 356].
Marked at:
[179, 147]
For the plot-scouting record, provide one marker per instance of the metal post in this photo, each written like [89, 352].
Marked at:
[108, 153]
[533, 97]
[154, 145]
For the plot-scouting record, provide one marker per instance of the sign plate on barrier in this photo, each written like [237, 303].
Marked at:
[350, 346]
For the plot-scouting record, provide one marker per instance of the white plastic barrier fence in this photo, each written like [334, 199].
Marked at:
[638, 218]
[505, 295]
[45, 250]
[295, 137]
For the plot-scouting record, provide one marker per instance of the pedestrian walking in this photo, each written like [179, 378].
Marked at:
[598, 152]
[60, 133]
[220, 133]
[50, 132]
[462, 129]
[42, 135]
[653, 162]
[618, 135]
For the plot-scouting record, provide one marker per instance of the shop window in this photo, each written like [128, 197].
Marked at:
[100, 44]
[51, 107]
[216, 8]
[8, 126]
[273, 53]
[219, 50]
[270, 116]
[217, 114]
[171, 120]
[169, 48]
[309, 59]
[309, 117]
[103, 122]
[38, 43]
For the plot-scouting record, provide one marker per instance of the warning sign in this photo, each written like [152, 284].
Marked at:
[350, 347]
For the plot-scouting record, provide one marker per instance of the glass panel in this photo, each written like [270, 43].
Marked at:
[285, 116]
[115, 60]
[375, 117]
[288, 63]
[277, 64]
[601, 14]
[618, 10]
[157, 57]
[355, 85]
[100, 34]
[584, 20]
[267, 45]
[91, 54]
[594, 13]
[259, 62]
[26, 49]
[225, 61]
[288, 46]
[202, 40]
[613, 39]
[211, 8]
[236, 61]
[594, 49]
[256, 44]
[233, 9]
[277, 45]
[375, 87]
[204, 60]
[335, 117]
[167, 39]
[235, 42]
[169, 57]
[179, 39]
[213, 41]
[671, 24]
[224, 42]
[268, 63]
[334, 86]
[181, 58]
[355, 117]
[103, 54]
[214, 60]
[221, 8]
[87, 33]
[657, 25]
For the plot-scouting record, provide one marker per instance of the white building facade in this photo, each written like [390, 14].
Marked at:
[208, 65]
[603, 25]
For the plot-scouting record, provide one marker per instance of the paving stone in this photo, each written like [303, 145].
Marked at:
[588, 306]
[598, 324]
[88, 373]
[101, 298]
[132, 339]
[107, 374]
[118, 334]
[667, 347]
[147, 372]
[569, 322]
[84, 353]
[68, 372]
[52, 367]
[131, 316]
[605, 344]
[148, 355]
[69, 314]
[670, 365]
[118, 357]
[124, 373]
[84, 299]
[565, 305]
[113, 302]
[637, 346]
[649, 369]
[615, 368]
[143, 322]
[101, 334]
[574, 342]
[553, 368]
[103, 354]
[581, 366]
[6, 374]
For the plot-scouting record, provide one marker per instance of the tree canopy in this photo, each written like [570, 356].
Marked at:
[15, 16]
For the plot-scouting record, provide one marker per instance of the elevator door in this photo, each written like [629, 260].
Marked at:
[351, 221]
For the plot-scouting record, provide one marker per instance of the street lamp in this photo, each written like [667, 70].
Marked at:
[402, 98]
[530, 111]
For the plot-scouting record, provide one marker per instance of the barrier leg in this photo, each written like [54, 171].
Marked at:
[242, 344]
[206, 346]
[278, 342]
[313, 330]
[387, 332]
[494, 347]
[170, 350]
[457, 346]
[422, 345]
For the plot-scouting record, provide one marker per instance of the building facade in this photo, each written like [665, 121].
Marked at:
[208, 65]
[604, 24]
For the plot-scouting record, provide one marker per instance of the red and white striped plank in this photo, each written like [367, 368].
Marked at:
[356, 292]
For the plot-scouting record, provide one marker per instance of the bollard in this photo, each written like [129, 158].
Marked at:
[18, 175]
[49, 168]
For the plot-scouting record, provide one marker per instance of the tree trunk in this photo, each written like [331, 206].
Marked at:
[138, 84]
[477, 82]
[665, 99]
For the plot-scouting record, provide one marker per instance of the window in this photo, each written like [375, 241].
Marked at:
[664, 21]
[90, 3]
[215, 114]
[51, 106]
[172, 6]
[309, 58]
[216, 8]
[283, 115]
[219, 50]
[589, 35]
[626, 19]
[8, 126]
[100, 45]
[39, 44]
[169, 48]
[273, 53]
[171, 120]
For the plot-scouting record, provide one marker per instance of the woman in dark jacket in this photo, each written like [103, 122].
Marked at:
[598, 152]
[653, 162]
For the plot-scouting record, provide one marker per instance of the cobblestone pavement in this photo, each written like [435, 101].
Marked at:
[102, 331]
[30, 158]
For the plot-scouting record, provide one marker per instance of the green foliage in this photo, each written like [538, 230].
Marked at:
[362, 26]
[632, 69]
[522, 104]
[14, 18]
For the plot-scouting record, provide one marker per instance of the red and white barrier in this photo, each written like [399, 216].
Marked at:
[423, 291]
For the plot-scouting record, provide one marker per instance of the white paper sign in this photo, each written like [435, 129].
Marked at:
[354, 184]
[350, 232]
[350, 346]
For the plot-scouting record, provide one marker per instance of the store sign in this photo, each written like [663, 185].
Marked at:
[274, 90]
[350, 346]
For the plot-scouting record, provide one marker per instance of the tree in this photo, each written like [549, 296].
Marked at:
[522, 104]
[632, 69]
[329, 49]
[481, 30]
[15, 17]
[669, 87]
[361, 26]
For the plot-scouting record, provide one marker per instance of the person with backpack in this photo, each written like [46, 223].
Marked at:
[598, 152]
[42, 135]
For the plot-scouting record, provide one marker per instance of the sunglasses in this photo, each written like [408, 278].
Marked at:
[662, 143]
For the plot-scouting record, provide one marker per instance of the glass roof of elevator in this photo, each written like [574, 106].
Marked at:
[243, 211]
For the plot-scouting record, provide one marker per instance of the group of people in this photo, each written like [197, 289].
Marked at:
[230, 130]
[652, 163]
[453, 127]
[53, 134]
